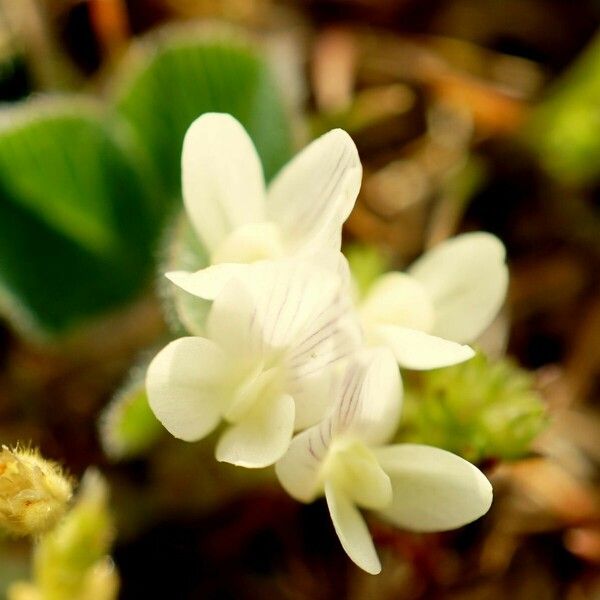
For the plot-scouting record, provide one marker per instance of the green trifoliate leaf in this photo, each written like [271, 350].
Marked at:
[176, 75]
[478, 409]
[77, 217]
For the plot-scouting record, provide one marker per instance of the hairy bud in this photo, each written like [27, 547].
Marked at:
[34, 492]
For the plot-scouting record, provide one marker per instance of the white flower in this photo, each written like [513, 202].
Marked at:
[446, 299]
[344, 457]
[241, 221]
[273, 338]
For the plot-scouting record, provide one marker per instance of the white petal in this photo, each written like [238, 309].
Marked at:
[298, 470]
[288, 298]
[291, 297]
[206, 283]
[369, 397]
[192, 312]
[326, 258]
[284, 307]
[352, 530]
[418, 350]
[250, 243]
[261, 437]
[182, 385]
[313, 395]
[340, 264]
[467, 279]
[434, 490]
[367, 407]
[222, 179]
[231, 321]
[398, 299]
[327, 339]
[314, 193]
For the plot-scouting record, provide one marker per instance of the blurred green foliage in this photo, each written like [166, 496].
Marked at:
[188, 76]
[128, 426]
[565, 127]
[478, 409]
[76, 215]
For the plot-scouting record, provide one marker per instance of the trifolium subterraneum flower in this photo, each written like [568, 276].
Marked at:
[345, 458]
[240, 220]
[446, 299]
[265, 366]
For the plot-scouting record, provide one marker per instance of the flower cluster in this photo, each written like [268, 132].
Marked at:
[296, 371]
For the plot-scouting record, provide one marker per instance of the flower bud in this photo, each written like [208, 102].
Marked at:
[71, 562]
[480, 410]
[128, 427]
[34, 492]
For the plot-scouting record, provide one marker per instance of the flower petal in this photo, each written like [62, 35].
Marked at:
[299, 468]
[352, 530]
[290, 297]
[433, 490]
[250, 243]
[301, 311]
[369, 397]
[314, 193]
[231, 321]
[206, 283]
[398, 299]
[261, 437]
[418, 350]
[328, 338]
[467, 279]
[182, 385]
[367, 407]
[191, 312]
[222, 178]
[293, 312]
[313, 394]
[282, 299]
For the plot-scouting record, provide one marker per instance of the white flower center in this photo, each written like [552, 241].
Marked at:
[250, 243]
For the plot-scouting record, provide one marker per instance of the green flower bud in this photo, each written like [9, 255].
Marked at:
[478, 409]
[128, 426]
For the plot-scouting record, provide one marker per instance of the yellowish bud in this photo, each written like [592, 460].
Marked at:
[71, 561]
[34, 492]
